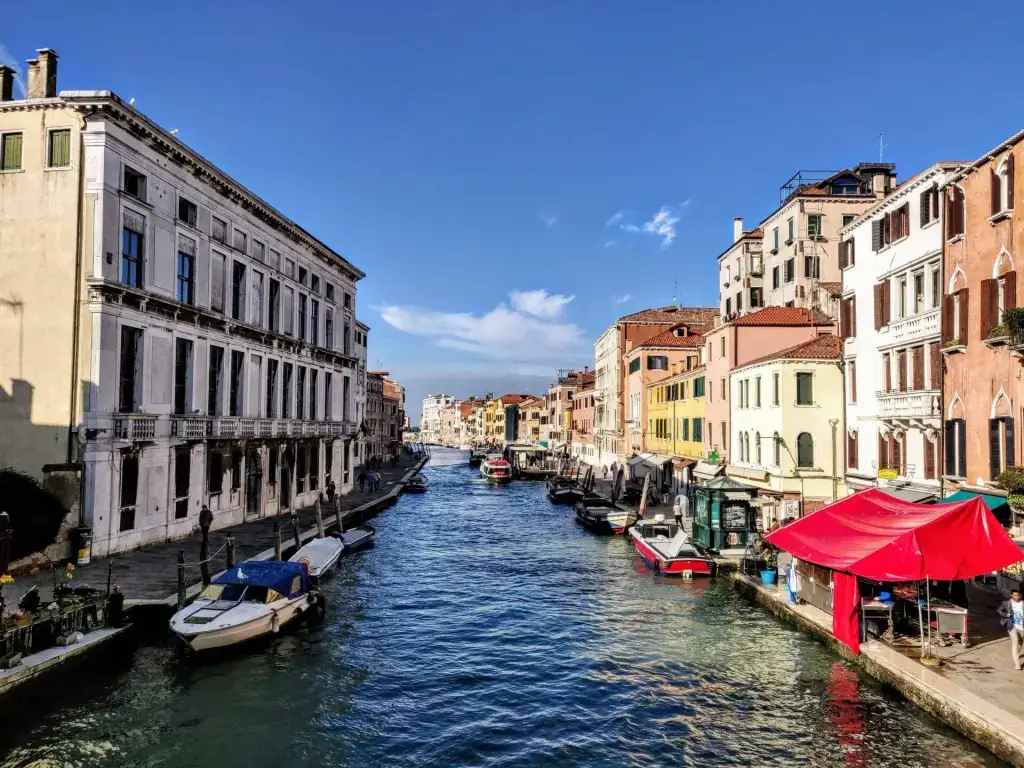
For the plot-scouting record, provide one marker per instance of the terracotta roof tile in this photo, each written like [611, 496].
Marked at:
[824, 347]
[701, 315]
[669, 339]
[512, 399]
[833, 289]
[756, 233]
[783, 316]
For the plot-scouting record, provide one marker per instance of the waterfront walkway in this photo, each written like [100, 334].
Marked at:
[150, 573]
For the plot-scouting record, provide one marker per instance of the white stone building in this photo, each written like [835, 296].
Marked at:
[214, 350]
[608, 437]
[890, 316]
[430, 417]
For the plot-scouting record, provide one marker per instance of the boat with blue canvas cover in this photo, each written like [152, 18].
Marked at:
[252, 599]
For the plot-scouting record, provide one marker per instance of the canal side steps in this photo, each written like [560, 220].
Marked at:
[991, 726]
[372, 507]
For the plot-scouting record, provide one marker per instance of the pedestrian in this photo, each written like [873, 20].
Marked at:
[332, 490]
[205, 521]
[604, 472]
[1011, 613]
[615, 468]
[376, 481]
[361, 479]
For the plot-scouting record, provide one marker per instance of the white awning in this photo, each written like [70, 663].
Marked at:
[652, 460]
[706, 471]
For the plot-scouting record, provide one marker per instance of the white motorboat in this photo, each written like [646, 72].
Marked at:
[320, 557]
[357, 538]
[496, 470]
[251, 600]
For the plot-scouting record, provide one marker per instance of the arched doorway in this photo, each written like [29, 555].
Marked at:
[253, 483]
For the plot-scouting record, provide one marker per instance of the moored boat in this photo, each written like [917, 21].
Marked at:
[357, 538]
[666, 548]
[565, 490]
[251, 600]
[476, 457]
[601, 515]
[417, 484]
[496, 470]
[320, 556]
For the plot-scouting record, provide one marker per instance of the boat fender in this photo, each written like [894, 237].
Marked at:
[275, 623]
[687, 575]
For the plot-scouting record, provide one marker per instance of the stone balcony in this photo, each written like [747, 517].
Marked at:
[924, 326]
[909, 405]
[193, 428]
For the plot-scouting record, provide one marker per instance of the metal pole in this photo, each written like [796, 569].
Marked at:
[181, 579]
[835, 469]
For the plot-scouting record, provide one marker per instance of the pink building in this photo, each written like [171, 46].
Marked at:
[736, 343]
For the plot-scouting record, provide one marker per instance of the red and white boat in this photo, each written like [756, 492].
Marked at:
[496, 470]
[666, 548]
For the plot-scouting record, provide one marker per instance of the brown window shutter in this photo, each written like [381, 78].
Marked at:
[929, 459]
[853, 252]
[935, 201]
[948, 204]
[986, 308]
[844, 324]
[883, 453]
[947, 318]
[926, 206]
[1009, 179]
[901, 369]
[878, 305]
[994, 182]
[853, 381]
[965, 313]
[876, 235]
[961, 225]
[1009, 290]
[918, 361]
[935, 353]
[887, 372]
[897, 455]
[886, 302]
[994, 304]
[906, 219]
[853, 317]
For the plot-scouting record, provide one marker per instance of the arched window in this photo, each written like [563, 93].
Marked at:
[757, 446]
[1002, 186]
[739, 442]
[804, 450]
[776, 449]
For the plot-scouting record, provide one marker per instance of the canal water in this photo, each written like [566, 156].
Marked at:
[486, 628]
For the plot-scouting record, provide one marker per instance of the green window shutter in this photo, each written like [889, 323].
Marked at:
[60, 148]
[10, 153]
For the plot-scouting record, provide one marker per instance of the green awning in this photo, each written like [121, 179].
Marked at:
[999, 505]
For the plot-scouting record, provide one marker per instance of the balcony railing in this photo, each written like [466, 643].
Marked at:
[916, 327]
[134, 427]
[189, 427]
[908, 405]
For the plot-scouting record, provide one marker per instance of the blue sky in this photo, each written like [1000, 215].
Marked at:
[484, 162]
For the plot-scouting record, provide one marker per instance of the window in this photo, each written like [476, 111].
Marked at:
[776, 450]
[134, 184]
[739, 302]
[132, 242]
[182, 376]
[314, 284]
[852, 461]
[728, 306]
[956, 447]
[300, 468]
[58, 148]
[330, 291]
[185, 288]
[10, 151]
[757, 447]
[302, 316]
[698, 387]
[902, 297]
[1002, 186]
[303, 276]
[775, 277]
[698, 428]
[328, 328]
[238, 290]
[272, 466]
[274, 307]
[852, 387]
[790, 230]
[814, 225]
[289, 268]
[919, 292]
[235, 404]
[239, 240]
[812, 267]
[288, 312]
[804, 451]
[722, 393]
[790, 270]
[300, 389]
[929, 205]
[270, 409]
[775, 240]
[348, 301]
[236, 469]
[286, 392]
[214, 402]
[848, 218]
[685, 423]
[257, 298]
[936, 287]
[1001, 445]
[634, 365]
[129, 490]
[756, 298]
[182, 473]
[955, 214]
[313, 375]
[258, 251]
[274, 262]
[130, 393]
[188, 213]
[724, 435]
[214, 472]
[219, 230]
[775, 389]
[804, 389]
[328, 398]
[314, 322]
[721, 347]
[757, 391]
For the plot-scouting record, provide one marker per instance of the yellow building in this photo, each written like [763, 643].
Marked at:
[675, 410]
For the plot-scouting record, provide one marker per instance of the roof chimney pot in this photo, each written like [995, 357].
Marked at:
[737, 229]
[42, 75]
[6, 83]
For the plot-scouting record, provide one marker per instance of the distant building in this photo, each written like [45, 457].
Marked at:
[430, 416]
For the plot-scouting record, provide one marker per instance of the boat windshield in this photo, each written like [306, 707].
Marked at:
[235, 592]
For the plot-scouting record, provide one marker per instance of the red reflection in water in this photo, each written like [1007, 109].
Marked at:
[846, 715]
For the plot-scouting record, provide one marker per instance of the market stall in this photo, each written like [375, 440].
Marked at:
[878, 538]
[725, 516]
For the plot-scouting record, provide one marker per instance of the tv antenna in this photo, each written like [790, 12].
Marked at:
[881, 146]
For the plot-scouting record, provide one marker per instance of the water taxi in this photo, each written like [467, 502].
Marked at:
[496, 470]
[666, 548]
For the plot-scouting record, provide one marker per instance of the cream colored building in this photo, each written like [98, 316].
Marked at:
[166, 335]
[786, 413]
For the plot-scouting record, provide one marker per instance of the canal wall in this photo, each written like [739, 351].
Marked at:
[982, 721]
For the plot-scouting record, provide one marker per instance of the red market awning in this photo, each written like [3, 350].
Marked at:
[877, 536]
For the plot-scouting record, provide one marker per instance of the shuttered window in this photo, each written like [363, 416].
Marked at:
[956, 444]
[852, 461]
[886, 373]
[58, 150]
[897, 453]
[954, 212]
[935, 358]
[10, 152]
[853, 381]
[917, 362]
[929, 449]
[883, 452]
[901, 370]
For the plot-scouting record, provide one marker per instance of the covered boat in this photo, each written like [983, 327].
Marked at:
[417, 484]
[251, 600]
[357, 538]
[496, 470]
[320, 556]
[565, 490]
[666, 548]
[476, 456]
[601, 515]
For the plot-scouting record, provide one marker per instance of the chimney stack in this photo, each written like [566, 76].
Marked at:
[6, 83]
[737, 229]
[42, 75]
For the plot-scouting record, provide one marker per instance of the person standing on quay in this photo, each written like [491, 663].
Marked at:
[1012, 614]
[205, 522]
[361, 480]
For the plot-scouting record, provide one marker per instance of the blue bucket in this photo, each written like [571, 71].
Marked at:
[768, 578]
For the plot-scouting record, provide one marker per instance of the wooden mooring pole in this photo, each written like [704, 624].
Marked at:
[318, 511]
[338, 515]
[181, 579]
[295, 529]
[277, 539]
[229, 552]
[204, 559]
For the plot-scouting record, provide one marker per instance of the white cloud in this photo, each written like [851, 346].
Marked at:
[526, 336]
[663, 224]
[615, 219]
[549, 220]
[609, 243]
[622, 299]
[19, 80]
[539, 303]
